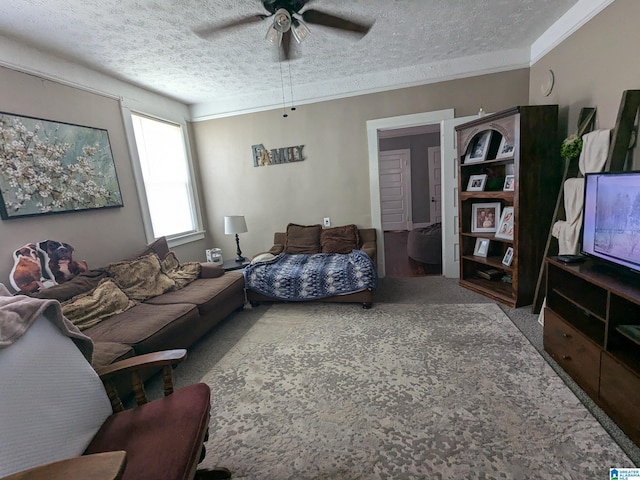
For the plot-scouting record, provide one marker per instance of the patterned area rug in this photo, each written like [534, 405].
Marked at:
[332, 391]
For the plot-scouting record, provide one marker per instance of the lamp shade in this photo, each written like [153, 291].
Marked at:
[234, 224]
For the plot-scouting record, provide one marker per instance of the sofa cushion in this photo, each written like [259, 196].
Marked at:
[302, 239]
[106, 353]
[160, 247]
[342, 239]
[149, 328]
[141, 278]
[207, 294]
[104, 301]
[181, 273]
[81, 283]
[148, 434]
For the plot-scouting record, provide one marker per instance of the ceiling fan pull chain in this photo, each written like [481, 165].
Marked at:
[284, 106]
[293, 107]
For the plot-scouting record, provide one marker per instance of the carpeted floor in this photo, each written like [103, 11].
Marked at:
[420, 386]
[400, 391]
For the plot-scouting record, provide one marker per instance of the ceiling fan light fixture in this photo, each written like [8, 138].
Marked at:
[299, 29]
[282, 20]
[273, 35]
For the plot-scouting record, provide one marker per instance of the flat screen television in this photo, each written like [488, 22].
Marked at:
[611, 218]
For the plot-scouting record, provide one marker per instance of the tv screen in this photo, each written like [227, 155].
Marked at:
[611, 218]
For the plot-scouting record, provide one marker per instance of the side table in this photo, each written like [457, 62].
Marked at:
[230, 265]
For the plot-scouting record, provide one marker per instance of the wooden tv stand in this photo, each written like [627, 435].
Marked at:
[592, 329]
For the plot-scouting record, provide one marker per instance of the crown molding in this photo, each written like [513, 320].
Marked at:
[565, 26]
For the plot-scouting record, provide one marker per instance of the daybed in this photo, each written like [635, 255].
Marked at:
[309, 263]
[162, 307]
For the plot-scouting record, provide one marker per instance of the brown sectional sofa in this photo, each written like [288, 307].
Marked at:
[175, 319]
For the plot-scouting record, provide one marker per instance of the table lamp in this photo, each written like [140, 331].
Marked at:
[235, 224]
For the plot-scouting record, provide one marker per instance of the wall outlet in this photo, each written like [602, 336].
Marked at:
[326, 222]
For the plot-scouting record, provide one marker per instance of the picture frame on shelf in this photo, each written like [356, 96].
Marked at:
[509, 183]
[482, 247]
[479, 147]
[477, 183]
[508, 257]
[505, 227]
[484, 217]
[506, 149]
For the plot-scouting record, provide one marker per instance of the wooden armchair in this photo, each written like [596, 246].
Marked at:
[96, 438]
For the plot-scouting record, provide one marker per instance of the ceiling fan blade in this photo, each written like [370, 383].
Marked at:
[209, 30]
[326, 19]
[286, 45]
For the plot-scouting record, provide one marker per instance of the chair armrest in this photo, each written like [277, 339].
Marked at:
[165, 360]
[100, 466]
[370, 248]
[152, 360]
[211, 270]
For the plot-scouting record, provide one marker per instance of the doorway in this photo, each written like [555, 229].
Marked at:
[409, 170]
[448, 164]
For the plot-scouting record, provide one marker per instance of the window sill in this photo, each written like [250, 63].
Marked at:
[186, 238]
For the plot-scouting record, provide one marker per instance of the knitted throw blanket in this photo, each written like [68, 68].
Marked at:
[310, 277]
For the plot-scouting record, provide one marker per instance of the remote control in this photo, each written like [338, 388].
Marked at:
[571, 258]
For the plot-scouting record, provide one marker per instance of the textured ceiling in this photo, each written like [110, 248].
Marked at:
[151, 43]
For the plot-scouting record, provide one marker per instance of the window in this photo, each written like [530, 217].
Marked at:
[166, 174]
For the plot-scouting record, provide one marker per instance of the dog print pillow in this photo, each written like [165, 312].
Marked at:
[43, 265]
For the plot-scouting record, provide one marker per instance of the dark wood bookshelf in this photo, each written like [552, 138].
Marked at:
[535, 162]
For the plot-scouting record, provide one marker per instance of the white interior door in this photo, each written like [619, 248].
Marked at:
[435, 184]
[450, 242]
[395, 189]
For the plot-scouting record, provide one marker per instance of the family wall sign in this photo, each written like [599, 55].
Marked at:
[262, 156]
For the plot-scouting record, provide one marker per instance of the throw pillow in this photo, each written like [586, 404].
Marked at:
[340, 239]
[141, 278]
[104, 301]
[302, 239]
[263, 257]
[181, 273]
[160, 247]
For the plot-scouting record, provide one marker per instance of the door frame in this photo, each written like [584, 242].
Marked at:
[431, 151]
[392, 123]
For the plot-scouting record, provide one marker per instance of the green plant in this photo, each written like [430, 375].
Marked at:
[571, 147]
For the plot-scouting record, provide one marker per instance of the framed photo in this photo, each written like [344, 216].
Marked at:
[477, 183]
[484, 217]
[505, 150]
[68, 168]
[505, 227]
[509, 183]
[482, 247]
[508, 257]
[479, 147]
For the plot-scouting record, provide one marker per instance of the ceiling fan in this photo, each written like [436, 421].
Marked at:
[289, 21]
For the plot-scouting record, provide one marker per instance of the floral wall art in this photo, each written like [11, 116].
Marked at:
[54, 167]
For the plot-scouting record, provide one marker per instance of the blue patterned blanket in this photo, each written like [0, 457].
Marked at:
[308, 277]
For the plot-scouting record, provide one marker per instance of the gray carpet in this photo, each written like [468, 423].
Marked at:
[399, 391]
[300, 392]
